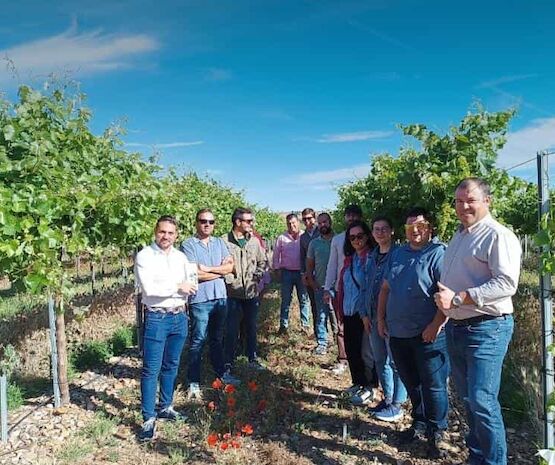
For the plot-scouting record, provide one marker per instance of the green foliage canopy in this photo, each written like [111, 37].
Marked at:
[427, 176]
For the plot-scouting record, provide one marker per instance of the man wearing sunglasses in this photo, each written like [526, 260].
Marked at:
[311, 232]
[479, 277]
[242, 285]
[208, 307]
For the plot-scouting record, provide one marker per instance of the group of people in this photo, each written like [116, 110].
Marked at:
[230, 272]
[404, 317]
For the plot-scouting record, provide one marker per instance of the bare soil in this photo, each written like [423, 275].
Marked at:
[303, 418]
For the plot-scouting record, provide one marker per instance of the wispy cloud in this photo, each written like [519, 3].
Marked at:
[169, 145]
[353, 136]
[218, 75]
[525, 143]
[324, 179]
[79, 53]
[506, 79]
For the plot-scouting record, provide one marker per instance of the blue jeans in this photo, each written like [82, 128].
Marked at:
[290, 279]
[477, 352]
[424, 368]
[237, 309]
[393, 388]
[164, 337]
[207, 318]
[321, 318]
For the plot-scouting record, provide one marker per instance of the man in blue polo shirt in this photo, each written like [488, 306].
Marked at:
[208, 307]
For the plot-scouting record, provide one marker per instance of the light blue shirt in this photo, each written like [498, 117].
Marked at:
[354, 293]
[412, 278]
[210, 254]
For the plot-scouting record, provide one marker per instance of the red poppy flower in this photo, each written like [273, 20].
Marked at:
[224, 445]
[229, 389]
[217, 383]
[252, 386]
[261, 405]
[235, 444]
[212, 439]
[247, 429]
[231, 402]
[211, 406]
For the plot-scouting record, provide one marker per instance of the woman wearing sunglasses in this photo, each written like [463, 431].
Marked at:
[351, 298]
[408, 315]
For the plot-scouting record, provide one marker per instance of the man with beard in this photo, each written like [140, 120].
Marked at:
[242, 285]
[317, 258]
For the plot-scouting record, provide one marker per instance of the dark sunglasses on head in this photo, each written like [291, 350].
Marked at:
[358, 236]
[203, 221]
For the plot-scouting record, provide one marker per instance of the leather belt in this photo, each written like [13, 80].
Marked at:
[476, 319]
[174, 310]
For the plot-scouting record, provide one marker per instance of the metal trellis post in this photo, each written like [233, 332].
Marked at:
[546, 306]
[54, 351]
[4, 408]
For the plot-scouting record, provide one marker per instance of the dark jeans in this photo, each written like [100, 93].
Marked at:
[314, 307]
[338, 331]
[354, 332]
[424, 368]
[477, 352]
[207, 319]
[237, 309]
[164, 337]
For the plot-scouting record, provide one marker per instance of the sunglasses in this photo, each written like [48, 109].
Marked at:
[357, 237]
[249, 221]
[203, 221]
[420, 226]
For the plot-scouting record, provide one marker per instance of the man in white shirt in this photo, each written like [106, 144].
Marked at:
[480, 274]
[160, 270]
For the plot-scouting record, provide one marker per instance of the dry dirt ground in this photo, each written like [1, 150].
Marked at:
[291, 413]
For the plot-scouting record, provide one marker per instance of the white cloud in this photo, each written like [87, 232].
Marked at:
[353, 136]
[79, 53]
[506, 80]
[218, 74]
[324, 179]
[169, 145]
[525, 143]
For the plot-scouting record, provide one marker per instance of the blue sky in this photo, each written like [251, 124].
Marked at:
[288, 99]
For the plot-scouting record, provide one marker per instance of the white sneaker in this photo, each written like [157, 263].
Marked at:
[228, 378]
[363, 396]
[351, 391]
[339, 368]
[194, 392]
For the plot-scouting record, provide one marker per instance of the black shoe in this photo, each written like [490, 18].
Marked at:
[409, 435]
[437, 446]
[147, 431]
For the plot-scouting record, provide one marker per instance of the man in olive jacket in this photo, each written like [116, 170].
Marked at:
[242, 284]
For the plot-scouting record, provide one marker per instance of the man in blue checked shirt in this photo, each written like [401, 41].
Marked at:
[208, 307]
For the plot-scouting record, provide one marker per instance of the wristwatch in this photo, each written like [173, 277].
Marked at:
[457, 300]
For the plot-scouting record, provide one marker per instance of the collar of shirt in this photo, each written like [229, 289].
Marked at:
[199, 240]
[156, 248]
[484, 220]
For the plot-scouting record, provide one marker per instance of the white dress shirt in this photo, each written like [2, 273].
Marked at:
[159, 276]
[483, 260]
